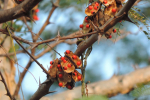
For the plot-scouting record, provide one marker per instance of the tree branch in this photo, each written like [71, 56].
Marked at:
[42, 90]
[52, 45]
[33, 58]
[110, 23]
[55, 5]
[21, 77]
[25, 21]
[93, 38]
[15, 37]
[18, 11]
[8, 93]
[115, 85]
[12, 53]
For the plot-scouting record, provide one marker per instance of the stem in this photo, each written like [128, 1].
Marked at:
[83, 75]
[33, 58]
[83, 68]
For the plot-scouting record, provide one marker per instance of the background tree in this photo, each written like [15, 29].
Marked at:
[27, 31]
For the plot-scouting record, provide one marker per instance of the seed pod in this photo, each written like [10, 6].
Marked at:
[53, 70]
[89, 11]
[65, 65]
[112, 9]
[73, 61]
[65, 78]
[75, 76]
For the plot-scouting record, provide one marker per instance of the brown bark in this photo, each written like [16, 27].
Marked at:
[18, 11]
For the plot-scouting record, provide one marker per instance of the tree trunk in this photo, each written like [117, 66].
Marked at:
[7, 67]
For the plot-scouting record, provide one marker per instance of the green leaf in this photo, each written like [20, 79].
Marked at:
[17, 27]
[143, 90]
[16, 46]
[145, 32]
[78, 1]
[94, 97]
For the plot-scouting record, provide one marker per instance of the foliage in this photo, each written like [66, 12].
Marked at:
[134, 14]
[141, 90]
[94, 97]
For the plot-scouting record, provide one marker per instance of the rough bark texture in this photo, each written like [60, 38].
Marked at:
[18, 11]
[117, 84]
[38, 93]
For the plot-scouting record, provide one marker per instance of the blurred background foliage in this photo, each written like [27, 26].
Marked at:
[107, 58]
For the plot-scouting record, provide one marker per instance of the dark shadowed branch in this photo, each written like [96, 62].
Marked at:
[18, 11]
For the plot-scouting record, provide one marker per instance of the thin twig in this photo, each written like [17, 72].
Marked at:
[21, 75]
[3, 40]
[25, 21]
[8, 93]
[52, 45]
[83, 68]
[55, 5]
[33, 58]
[83, 75]
[86, 87]
[15, 37]
[12, 53]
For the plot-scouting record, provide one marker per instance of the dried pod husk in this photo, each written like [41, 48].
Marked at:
[72, 60]
[120, 1]
[75, 76]
[65, 64]
[86, 22]
[106, 18]
[91, 12]
[53, 71]
[119, 6]
[101, 20]
[95, 22]
[66, 77]
[109, 2]
[34, 13]
[18, 1]
[107, 35]
[70, 85]
[36, 7]
[108, 9]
